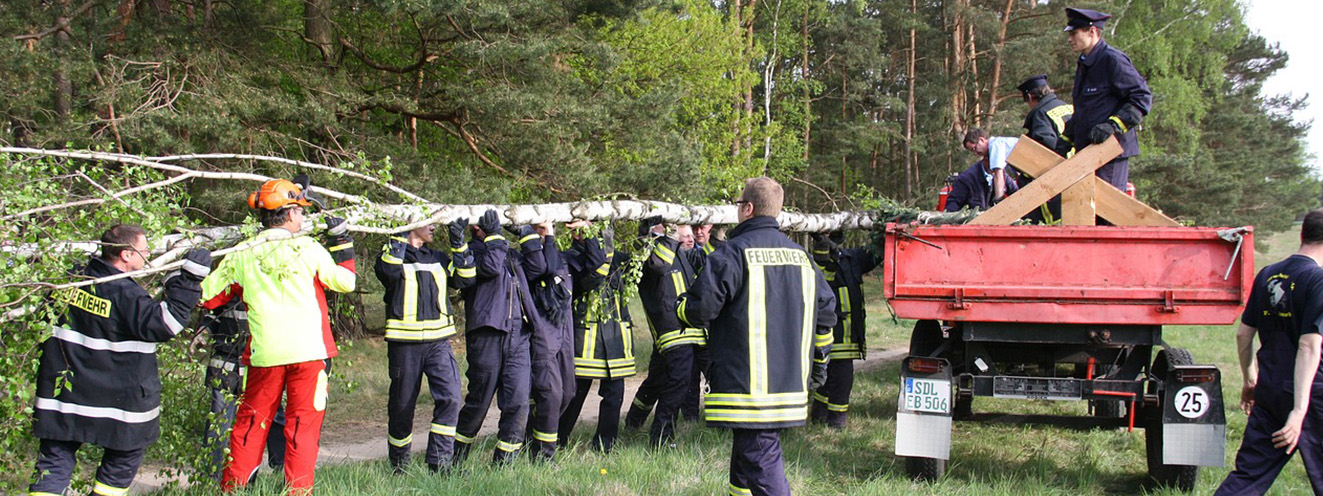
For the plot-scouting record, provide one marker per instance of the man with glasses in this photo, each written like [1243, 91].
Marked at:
[104, 345]
[769, 314]
[282, 277]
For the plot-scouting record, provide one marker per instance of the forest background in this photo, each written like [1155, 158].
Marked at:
[496, 101]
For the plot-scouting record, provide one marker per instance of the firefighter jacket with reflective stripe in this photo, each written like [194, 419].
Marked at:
[228, 326]
[1046, 122]
[500, 295]
[417, 307]
[283, 279]
[553, 317]
[769, 315]
[667, 273]
[603, 340]
[97, 380]
[845, 273]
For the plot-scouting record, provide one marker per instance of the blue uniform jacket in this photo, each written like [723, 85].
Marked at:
[500, 295]
[1104, 81]
[971, 189]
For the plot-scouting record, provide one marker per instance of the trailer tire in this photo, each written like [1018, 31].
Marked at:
[926, 337]
[925, 469]
[1107, 408]
[1180, 477]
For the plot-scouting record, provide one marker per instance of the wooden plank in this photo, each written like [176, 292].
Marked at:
[1050, 184]
[1077, 204]
[1034, 159]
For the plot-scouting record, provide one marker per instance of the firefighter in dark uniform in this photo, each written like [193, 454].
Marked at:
[769, 315]
[1110, 97]
[552, 347]
[603, 340]
[667, 273]
[705, 243]
[1284, 400]
[973, 188]
[97, 380]
[419, 323]
[1047, 116]
[844, 270]
[228, 326]
[497, 335]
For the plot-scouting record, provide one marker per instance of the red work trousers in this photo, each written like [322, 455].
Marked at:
[304, 385]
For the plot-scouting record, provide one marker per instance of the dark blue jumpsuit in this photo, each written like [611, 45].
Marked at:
[497, 337]
[1285, 303]
[552, 347]
[1106, 80]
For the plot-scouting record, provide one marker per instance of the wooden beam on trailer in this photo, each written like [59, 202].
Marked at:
[1050, 184]
[1110, 203]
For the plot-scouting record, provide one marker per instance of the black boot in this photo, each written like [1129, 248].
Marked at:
[502, 458]
[461, 452]
[636, 417]
[836, 420]
[819, 412]
[399, 459]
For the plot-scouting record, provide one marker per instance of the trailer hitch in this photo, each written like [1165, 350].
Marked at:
[1234, 235]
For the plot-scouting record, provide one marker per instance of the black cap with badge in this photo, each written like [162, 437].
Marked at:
[1032, 83]
[1083, 18]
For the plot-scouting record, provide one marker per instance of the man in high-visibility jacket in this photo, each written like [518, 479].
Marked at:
[282, 277]
[419, 324]
[769, 315]
[228, 326]
[102, 347]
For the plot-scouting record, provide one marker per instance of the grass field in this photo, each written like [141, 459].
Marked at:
[986, 459]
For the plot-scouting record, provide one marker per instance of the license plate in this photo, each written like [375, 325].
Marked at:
[927, 395]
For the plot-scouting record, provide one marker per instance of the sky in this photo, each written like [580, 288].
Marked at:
[1295, 24]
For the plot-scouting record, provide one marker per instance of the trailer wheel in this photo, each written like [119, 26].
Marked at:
[1181, 477]
[1107, 408]
[925, 469]
[926, 337]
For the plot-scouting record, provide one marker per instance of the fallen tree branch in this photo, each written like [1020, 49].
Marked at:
[309, 165]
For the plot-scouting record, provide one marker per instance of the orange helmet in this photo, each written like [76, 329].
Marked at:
[277, 194]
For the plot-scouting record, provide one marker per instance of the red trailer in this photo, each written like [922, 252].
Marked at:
[1065, 313]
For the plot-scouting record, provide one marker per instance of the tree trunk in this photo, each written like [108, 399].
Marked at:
[996, 58]
[63, 85]
[957, 69]
[973, 77]
[804, 75]
[910, 76]
[318, 30]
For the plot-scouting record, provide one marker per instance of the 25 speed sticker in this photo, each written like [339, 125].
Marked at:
[1191, 402]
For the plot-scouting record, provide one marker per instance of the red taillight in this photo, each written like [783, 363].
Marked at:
[1196, 375]
[921, 365]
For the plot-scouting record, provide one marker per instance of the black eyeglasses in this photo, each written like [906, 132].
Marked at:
[741, 202]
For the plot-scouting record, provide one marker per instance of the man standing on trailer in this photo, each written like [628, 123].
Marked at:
[770, 315]
[1283, 391]
[1110, 97]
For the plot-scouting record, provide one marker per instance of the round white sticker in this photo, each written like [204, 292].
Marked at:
[1191, 402]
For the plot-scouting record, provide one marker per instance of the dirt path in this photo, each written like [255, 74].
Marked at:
[373, 446]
